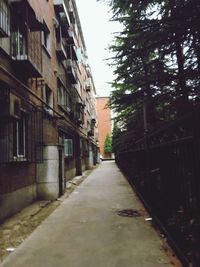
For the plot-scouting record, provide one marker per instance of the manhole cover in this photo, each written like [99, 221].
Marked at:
[129, 213]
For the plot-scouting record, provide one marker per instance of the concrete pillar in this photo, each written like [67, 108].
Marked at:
[48, 174]
[91, 156]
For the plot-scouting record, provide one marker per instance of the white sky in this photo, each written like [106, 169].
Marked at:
[98, 34]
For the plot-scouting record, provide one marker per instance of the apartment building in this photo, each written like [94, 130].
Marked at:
[48, 118]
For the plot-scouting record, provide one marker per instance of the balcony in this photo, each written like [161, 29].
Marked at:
[26, 53]
[60, 50]
[72, 52]
[23, 11]
[71, 35]
[70, 70]
[91, 133]
[61, 10]
[79, 118]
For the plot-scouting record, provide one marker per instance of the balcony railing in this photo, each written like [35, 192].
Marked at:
[26, 53]
[61, 9]
[91, 132]
[71, 71]
[71, 35]
[60, 50]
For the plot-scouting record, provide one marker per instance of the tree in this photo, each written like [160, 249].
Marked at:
[140, 68]
[108, 144]
[157, 62]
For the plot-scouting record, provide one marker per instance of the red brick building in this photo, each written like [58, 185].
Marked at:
[104, 123]
[47, 101]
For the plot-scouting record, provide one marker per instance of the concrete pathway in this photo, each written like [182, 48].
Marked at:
[86, 231]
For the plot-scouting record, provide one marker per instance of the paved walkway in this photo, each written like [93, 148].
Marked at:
[86, 231]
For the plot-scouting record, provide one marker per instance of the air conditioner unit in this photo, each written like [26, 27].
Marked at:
[80, 104]
[88, 88]
[15, 106]
[93, 121]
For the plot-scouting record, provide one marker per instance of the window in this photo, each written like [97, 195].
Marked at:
[68, 147]
[58, 34]
[18, 44]
[64, 97]
[85, 148]
[22, 139]
[4, 19]
[19, 141]
[68, 101]
[48, 98]
[78, 88]
[46, 41]
[80, 112]
[81, 147]
[60, 94]
[72, 17]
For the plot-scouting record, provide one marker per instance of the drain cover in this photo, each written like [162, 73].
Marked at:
[129, 213]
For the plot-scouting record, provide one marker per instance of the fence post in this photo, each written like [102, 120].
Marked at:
[146, 169]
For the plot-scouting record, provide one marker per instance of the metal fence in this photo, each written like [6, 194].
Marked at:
[165, 171]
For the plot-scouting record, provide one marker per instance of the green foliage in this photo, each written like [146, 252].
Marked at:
[157, 64]
[108, 144]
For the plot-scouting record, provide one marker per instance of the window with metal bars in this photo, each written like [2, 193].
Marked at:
[4, 19]
[19, 44]
[22, 139]
[19, 140]
[64, 97]
[68, 147]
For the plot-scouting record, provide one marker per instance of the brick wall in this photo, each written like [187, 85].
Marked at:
[104, 122]
[16, 175]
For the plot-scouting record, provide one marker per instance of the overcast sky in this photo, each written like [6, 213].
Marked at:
[98, 34]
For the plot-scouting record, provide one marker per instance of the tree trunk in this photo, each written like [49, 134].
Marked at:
[182, 90]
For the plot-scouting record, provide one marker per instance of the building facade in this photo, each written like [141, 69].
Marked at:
[47, 101]
[104, 124]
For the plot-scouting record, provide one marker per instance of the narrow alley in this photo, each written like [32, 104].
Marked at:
[87, 231]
